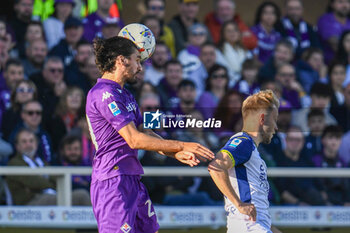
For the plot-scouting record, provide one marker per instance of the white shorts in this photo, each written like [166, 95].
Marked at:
[243, 226]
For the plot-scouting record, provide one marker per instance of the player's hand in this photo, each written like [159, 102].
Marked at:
[248, 209]
[201, 152]
[187, 157]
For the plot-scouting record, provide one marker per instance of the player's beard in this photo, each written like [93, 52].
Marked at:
[265, 136]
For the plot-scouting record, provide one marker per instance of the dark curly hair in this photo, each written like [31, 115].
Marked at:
[107, 51]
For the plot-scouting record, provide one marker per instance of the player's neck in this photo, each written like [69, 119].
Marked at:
[253, 134]
[114, 77]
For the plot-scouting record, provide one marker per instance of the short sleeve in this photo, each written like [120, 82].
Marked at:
[239, 149]
[115, 111]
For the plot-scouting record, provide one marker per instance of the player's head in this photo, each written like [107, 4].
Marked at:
[117, 54]
[262, 109]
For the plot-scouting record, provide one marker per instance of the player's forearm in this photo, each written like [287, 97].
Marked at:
[221, 179]
[144, 141]
[153, 134]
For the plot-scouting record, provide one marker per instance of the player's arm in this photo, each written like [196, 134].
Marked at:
[142, 141]
[218, 169]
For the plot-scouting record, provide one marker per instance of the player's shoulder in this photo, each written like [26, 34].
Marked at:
[103, 91]
[241, 141]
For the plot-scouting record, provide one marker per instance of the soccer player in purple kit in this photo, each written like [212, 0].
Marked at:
[120, 201]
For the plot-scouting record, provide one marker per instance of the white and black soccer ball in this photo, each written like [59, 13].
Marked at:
[142, 36]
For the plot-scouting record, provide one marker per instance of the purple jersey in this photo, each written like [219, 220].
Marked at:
[108, 109]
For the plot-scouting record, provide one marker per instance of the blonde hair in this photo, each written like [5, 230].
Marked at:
[262, 100]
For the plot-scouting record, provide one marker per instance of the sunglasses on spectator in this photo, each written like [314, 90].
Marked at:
[219, 76]
[31, 113]
[53, 70]
[199, 33]
[287, 74]
[155, 8]
[24, 90]
[150, 108]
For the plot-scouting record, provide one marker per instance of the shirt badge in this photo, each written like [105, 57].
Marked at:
[114, 108]
[106, 95]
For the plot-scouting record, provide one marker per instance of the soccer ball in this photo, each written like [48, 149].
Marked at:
[142, 36]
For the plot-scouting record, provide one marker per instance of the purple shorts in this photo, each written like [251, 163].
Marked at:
[121, 204]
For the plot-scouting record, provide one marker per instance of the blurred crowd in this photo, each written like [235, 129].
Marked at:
[199, 69]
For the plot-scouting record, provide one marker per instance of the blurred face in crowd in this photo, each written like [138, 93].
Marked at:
[283, 54]
[232, 34]
[110, 30]
[187, 94]
[316, 61]
[208, 56]
[198, 36]
[32, 114]
[331, 144]
[189, 10]
[316, 125]
[285, 75]
[72, 152]
[150, 104]
[270, 126]
[84, 51]
[34, 32]
[219, 79]
[346, 42]
[294, 10]
[91, 69]
[146, 88]
[37, 52]
[234, 103]
[154, 26]
[24, 9]
[53, 72]
[338, 75]
[173, 75]
[294, 141]
[63, 10]
[347, 96]
[27, 144]
[283, 121]
[250, 75]
[104, 5]
[73, 34]
[24, 93]
[74, 100]
[160, 56]
[268, 16]
[156, 8]
[225, 10]
[341, 7]
[319, 101]
[13, 75]
[2, 29]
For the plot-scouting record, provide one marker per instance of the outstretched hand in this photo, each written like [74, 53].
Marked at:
[201, 152]
[187, 157]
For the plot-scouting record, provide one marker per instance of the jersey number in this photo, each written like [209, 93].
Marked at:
[150, 212]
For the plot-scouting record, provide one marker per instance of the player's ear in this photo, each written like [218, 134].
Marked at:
[262, 119]
[121, 60]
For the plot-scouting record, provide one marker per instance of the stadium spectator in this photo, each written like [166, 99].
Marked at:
[316, 124]
[294, 28]
[215, 90]
[344, 149]
[292, 90]
[232, 49]
[75, 74]
[4, 56]
[167, 87]
[224, 12]
[54, 25]
[188, 11]
[71, 156]
[110, 28]
[145, 89]
[31, 119]
[228, 112]
[6, 35]
[92, 71]
[186, 91]
[311, 68]
[155, 71]
[50, 84]
[24, 91]
[337, 75]
[157, 8]
[334, 190]
[36, 53]
[332, 24]
[321, 95]
[248, 83]
[66, 48]
[342, 113]
[297, 191]
[13, 73]
[35, 31]
[189, 56]
[266, 17]
[94, 22]
[283, 53]
[23, 15]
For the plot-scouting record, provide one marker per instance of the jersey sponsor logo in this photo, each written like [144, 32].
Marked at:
[131, 107]
[126, 228]
[106, 95]
[235, 142]
[114, 108]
